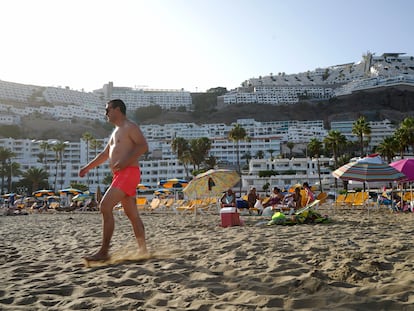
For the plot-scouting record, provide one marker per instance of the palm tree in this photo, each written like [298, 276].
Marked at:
[96, 145]
[181, 148]
[387, 148]
[334, 141]
[361, 128]
[260, 154]
[5, 155]
[290, 145]
[12, 169]
[315, 148]
[271, 153]
[87, 137]
[266, 187]
[35, 176]
[236, 134]
[247, 156]
[408, 125]
[401, 136]
[59, 148]
[199, 149]
[45, 147]
[210, 162]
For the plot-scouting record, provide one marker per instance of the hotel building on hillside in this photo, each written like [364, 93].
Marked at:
[267, 137]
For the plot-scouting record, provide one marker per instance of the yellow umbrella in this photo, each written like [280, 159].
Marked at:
[211, 183]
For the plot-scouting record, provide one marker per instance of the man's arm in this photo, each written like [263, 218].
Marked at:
[140, 143]
[98, 160]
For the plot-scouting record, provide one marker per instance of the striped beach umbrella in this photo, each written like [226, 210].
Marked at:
[367, 172]
[71, 191]
[162, 192]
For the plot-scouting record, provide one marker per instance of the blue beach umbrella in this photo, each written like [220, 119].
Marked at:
[72, 191]
[173, 183]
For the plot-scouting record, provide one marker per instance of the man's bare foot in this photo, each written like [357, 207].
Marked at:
[143, 251]
[97, 257]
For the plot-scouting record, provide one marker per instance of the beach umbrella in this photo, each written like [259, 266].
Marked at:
[405, 166]
[53, 197]
[143, 187]
[173, 183]
[162, 191]
[367, 171]
[29, 199]
[81, 197]
[211, 183]
[71, 191]
[8, 195]
[42, 193]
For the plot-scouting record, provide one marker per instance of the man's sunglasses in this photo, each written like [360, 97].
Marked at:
[107, 109]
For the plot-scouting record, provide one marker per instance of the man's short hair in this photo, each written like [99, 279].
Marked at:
[118, 103]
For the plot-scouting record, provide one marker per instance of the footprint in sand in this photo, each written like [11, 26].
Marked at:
[129, 255]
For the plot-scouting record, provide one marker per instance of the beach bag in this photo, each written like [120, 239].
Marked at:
[277, 219]
[258, 205]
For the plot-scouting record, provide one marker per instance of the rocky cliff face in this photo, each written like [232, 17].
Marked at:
[392, 103]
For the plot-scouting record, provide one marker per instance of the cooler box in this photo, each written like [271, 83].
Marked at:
[229, 217]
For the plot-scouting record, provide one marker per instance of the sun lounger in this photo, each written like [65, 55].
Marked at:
[142, 203]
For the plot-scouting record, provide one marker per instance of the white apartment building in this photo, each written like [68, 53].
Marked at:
[9, 119]
[161, 163]
[137, 98]
[288, 172]
[379, 130]
[324, 83]
[277, 95]
[67, 104]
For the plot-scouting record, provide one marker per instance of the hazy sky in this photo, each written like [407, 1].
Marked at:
[191, 44]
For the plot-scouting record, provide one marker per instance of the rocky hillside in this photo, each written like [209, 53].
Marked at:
[390, 103]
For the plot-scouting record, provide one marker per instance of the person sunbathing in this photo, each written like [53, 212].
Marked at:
[276, 198]
[228, 199]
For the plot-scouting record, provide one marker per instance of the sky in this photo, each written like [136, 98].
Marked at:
[191, 44]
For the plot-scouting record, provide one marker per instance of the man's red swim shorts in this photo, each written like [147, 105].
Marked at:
[127, 180]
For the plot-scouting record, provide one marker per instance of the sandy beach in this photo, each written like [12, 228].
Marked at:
[355, 262]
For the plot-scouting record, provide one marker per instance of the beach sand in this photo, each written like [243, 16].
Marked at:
[355, 262]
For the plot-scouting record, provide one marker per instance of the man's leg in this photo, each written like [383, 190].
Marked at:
[110, 199]
[130, 209]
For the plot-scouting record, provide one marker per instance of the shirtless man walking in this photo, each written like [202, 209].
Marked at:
[124, 147]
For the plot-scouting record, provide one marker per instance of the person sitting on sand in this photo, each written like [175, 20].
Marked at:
[252, 197]
[228, 199]
[294, 200]
[275, 198]
[310, 196]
